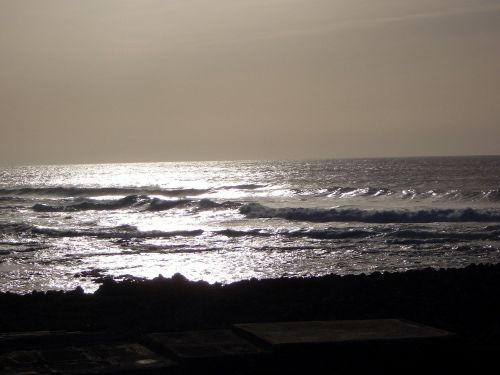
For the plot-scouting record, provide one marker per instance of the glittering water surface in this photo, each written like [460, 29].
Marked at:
[63, 226]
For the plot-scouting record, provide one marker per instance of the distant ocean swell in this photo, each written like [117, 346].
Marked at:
[410, 193]
[492, 195]
[73, 191]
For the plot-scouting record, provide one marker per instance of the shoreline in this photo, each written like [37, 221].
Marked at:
[464, 301]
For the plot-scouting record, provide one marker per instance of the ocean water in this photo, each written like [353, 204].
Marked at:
[64, 226]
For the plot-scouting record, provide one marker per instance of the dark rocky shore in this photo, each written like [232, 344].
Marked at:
[136, 326]
[465, 301]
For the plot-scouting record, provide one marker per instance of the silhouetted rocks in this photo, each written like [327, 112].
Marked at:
[465, 301]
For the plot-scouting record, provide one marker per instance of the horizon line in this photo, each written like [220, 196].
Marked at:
[248, 160]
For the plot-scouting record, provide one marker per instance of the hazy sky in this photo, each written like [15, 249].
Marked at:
[160, 80]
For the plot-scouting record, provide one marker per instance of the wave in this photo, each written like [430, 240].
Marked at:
[133, 201]
[121, 232]
[340, 192]
[73, 191]
[351, 192]
[157, 204]
[12, 208]
[256, 210]
[8, 228]
[91, 204]
[397, 236]
[243, 233]
[336, 192]
[453, 195]
[10, 199]
[243, 187]
[447, 235]
[200, 205]
[394, 236]
[331, 234]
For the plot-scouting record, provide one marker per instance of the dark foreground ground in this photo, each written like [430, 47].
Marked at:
[463, 301]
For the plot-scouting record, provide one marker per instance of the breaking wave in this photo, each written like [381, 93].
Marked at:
[132, 201]
[256, 210]
[157, 204]
[90, 204]
[350, 192]
[341, 192]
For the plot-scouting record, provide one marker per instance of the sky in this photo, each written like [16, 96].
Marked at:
[84, 81]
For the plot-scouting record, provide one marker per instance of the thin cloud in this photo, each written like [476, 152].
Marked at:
[373, 22]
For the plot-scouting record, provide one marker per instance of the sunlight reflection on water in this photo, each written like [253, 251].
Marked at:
[115, 220]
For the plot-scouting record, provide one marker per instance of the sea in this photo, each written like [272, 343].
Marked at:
[63, 226]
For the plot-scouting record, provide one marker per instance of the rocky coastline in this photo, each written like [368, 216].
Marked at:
[464, 301]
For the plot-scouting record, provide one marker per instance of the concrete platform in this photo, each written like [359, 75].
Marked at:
[202, 345]
[319, 347]
[124, 358]
[387, 346]
[339, 332]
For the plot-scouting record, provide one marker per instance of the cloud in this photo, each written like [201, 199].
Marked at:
[377, 21]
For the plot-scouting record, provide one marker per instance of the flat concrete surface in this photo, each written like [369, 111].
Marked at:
[193, 345]
[339, 331]
[320, 347]
[124, 358]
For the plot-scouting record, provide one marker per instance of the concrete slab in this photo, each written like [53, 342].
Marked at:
[199, 345]
[128, 358]
[339, 332]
